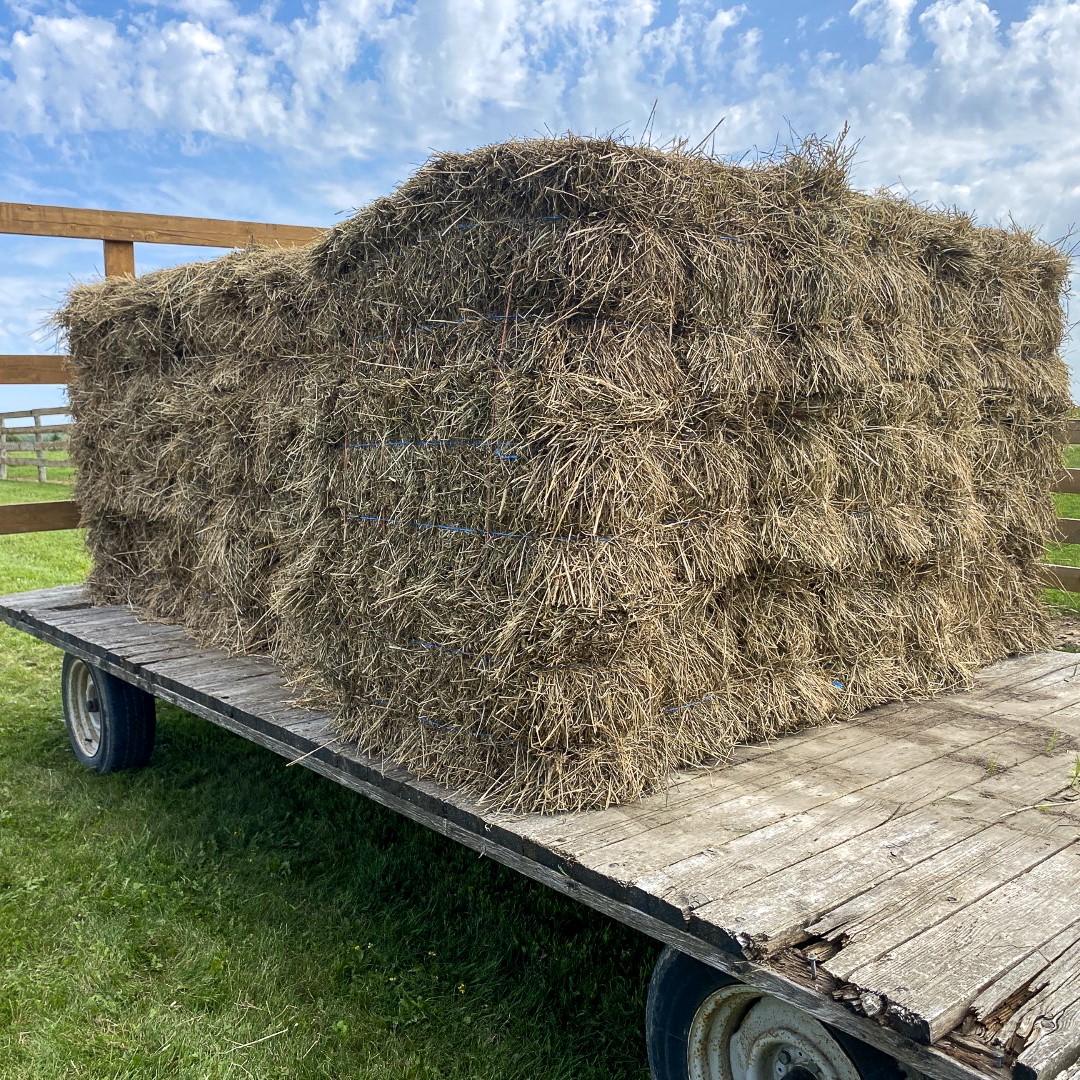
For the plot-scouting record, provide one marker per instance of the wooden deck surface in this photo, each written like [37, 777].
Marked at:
[910, 876]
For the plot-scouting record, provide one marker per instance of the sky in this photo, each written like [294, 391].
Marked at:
[299, 113]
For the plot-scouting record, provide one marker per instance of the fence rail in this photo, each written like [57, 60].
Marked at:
[117, 226]
[31, 370]
[118, 232]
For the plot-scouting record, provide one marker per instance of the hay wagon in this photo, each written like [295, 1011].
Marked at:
[892, 896]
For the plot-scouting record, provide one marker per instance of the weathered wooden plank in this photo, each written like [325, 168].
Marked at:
[927, 984]
[50, 429]
[245, 688]
[1073, 431]
[41, 462]
[799, 789]
[53, 410]
[38, 517]
[1063, 577]
[700, 884]
[1068, 482]
[996, 1005]
[1047, 1021]
[901, 905]
[1036, 794]
[30, 370]
[1068, 530]
[28, 219]
[59, 598]
[149, 653]
[784, 902]
[770, 912]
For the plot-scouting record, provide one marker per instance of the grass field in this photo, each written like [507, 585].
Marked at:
[218, 915]
[1067, 554]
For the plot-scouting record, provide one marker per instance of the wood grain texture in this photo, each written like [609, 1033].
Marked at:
[28, 429]
[905, 876]
[30, 370]
[40, 461]
[119, 258]
[1063, 577]
[38, 517]
[29, 219]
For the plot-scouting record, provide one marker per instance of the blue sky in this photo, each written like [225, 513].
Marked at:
[299, 112]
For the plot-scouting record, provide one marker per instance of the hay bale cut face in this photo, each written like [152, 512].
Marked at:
[573, 463]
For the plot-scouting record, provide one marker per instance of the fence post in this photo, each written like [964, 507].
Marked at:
[3, 451]
[39, 447]
[119, 258]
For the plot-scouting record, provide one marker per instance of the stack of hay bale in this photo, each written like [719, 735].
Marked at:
[572, 463]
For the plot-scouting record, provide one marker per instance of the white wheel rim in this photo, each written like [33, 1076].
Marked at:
[84, 708]
[738, 1033]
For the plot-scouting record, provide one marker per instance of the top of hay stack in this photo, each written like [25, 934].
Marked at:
[781, 253]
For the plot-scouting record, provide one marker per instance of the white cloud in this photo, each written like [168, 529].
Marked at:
[887, 22]
[964, 34]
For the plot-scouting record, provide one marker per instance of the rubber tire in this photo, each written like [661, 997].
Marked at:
[679, 985]
[128, 721]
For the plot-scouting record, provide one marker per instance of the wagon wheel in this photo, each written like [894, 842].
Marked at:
[704, 1025]
[110, 723]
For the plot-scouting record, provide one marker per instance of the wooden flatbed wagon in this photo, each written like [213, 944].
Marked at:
[908, 878]
[893, 896]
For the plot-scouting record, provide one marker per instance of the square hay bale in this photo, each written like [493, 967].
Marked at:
[573, 463]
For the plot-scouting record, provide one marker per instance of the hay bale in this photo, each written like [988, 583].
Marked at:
[571, 463]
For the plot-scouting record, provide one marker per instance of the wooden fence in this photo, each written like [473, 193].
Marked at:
[119, 232]
[34, 444]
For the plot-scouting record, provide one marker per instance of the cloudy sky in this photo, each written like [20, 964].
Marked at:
[299, 112]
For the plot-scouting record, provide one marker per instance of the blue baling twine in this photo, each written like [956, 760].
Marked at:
[521, 223]
[594, 320]
[383, 703]
[690, 704]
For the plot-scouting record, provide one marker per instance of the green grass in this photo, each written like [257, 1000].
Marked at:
[161, 923]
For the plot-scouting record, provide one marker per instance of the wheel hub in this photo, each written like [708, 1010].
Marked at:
[84, 708]
[738, 1033]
